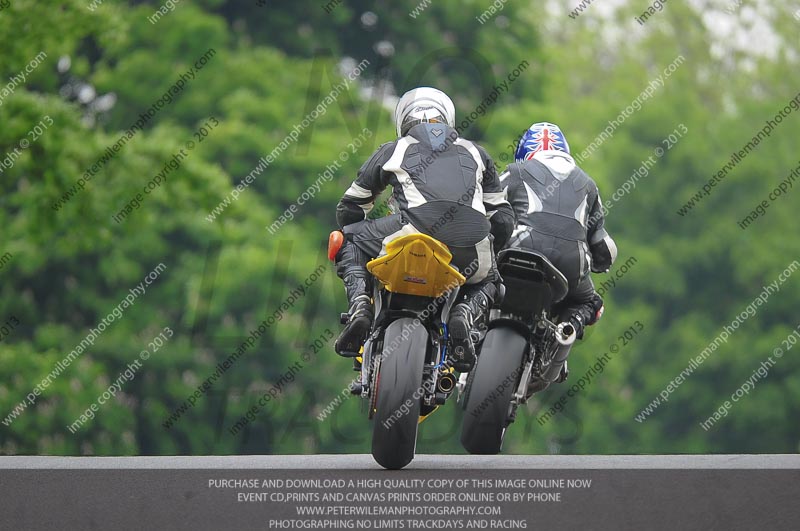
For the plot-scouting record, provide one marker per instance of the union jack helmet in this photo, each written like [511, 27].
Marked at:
[540, 136]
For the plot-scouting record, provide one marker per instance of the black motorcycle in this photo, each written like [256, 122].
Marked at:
[522, 353]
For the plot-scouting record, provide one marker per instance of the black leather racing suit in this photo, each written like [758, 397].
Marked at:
[559, 213]
[442, 185]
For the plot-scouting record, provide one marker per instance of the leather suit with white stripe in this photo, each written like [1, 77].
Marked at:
[442, 185]
[559, 214]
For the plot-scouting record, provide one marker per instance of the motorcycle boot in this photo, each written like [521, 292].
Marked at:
[358, 287]
[583, 315]
[472, 308]
[358, 318]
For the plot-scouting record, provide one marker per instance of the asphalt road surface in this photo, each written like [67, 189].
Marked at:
[615, 492]
[365, 462]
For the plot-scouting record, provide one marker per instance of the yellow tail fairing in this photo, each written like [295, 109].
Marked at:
[416, 264]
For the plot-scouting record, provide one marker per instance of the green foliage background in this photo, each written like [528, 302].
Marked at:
[273, 64]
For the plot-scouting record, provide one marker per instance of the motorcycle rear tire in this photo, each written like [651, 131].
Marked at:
[496, 377]
[396, 419]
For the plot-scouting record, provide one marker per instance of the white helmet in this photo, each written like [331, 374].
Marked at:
[423, 104]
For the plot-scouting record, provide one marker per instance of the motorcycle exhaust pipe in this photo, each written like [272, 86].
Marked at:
[446, 383]
[565, 336]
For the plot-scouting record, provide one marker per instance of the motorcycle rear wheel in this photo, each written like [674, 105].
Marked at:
[496, 377]
[396, 416]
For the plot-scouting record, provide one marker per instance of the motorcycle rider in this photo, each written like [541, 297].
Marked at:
[559, 214]
[442, 185]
